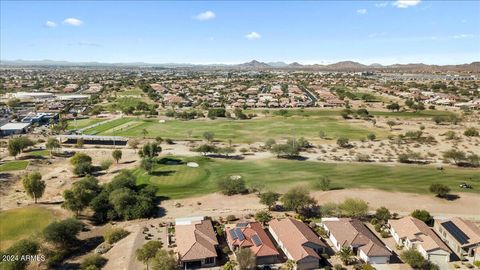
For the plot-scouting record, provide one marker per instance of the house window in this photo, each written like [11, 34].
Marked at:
[209, 260]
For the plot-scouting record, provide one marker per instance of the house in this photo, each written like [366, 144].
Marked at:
[251, 235]
[196, 243]
[414, 233]
[346, 232]
[298, 242]
[14, 128]
[462, 236]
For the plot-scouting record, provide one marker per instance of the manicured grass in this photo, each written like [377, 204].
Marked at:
[107, 126]
[38, 153]
[14, 166]
[178, 181]
[22, 223]
[82, 123]
[248, 131]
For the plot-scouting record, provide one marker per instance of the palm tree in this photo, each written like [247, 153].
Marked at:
[290, 265]
[345, 255]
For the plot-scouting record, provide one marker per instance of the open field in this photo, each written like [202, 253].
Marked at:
[14, 166]
[178, 181]
[81, 123]
[21, 223]
[247, 131]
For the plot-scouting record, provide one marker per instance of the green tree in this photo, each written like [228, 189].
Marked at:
[33, 185]
[63, 233]
[81, 194]
[229, 186]
[345, 254]
[14, 148]
[297, 199]
[414, 258]
[147, 164]
[19, 248]
[356, 208]
[246, 259]
[230, 265]
[80, 157]
[263, 216]
[93, 261]
[391, 123]
[269, 199]
[164, 260]
[150, 150]
[422, 215]
[383, 214]
[456, 155]
[393, 106]
[82, 169]
[147, 252]
[117, 155]
[440, 190]
[207, 135]
[52, 144]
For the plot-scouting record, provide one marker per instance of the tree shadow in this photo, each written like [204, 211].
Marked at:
[163, 173]
[450, 197]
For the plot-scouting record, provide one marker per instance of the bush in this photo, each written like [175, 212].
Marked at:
[64, 232]
[471, 132]
[105, 164]
[231, 218]
[92, 262]
[19, 248]
[385, 234]
[114, 235]
[231, 186]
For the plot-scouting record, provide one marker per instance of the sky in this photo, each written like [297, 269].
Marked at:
[198, 32]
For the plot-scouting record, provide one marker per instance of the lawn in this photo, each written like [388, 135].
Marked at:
[22, 223]
[246, 131]
[82, 123]
[178, 181]
[14, 166]
[38, 153]
[102, 128]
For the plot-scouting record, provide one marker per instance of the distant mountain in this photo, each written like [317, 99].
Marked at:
[349, 66]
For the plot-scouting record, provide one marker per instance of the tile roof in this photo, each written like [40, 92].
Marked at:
[266, 248]
[352, 232]
[294, 235]
[417, 231]
[196, 241]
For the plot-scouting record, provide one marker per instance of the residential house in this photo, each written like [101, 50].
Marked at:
[298, 242]
[413, 233]
[462, 236]
[346, 232]
[251, 235]
[196, 243]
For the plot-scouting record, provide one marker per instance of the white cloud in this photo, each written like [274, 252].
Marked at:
[406, 3]
[205, 16]
[72, 21]
[381, 5]
[50, 24]
[253, 35]
[362, 11]
[459, 36]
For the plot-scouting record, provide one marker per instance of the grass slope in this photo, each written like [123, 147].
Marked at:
[82, 123]
[178, 181]
[21, 223]
[14, 166]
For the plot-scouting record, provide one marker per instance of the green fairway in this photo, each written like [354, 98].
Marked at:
[248, 131]
[14, 166]
[21, 223]
[82, 123]
[178, 181]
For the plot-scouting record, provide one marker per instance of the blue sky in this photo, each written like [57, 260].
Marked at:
[405, 31]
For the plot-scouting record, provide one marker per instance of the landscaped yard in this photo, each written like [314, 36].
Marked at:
[247, 131]
[14, 166]
[22, 223]
[178, 181]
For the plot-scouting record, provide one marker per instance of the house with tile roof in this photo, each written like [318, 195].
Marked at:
[298, 242]
[346, 232]
[252, 235]
[196, 243]
[461, 235]
[413, 233]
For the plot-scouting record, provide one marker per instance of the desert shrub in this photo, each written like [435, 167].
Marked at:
[114, 235]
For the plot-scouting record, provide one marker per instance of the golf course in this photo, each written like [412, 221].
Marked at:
[174, 179]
